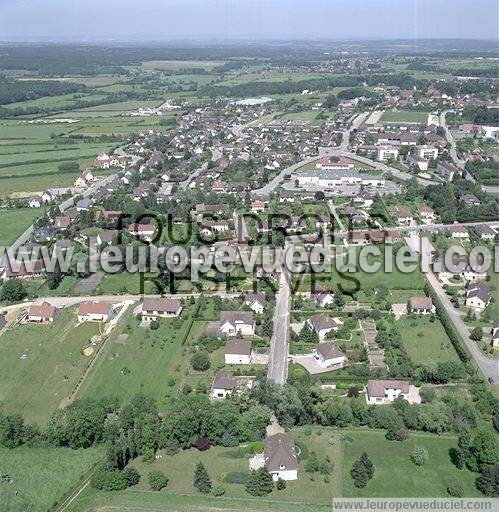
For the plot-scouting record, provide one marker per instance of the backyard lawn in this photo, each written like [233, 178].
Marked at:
[138, 359]
[42, 476]
[395, 474]
[40, 364]
[426, 341]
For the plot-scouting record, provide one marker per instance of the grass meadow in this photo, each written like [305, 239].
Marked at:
[42, 477]
[40, 364]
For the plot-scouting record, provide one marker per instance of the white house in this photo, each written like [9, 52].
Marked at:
[421, 305]
[328, 355]
[237, 351]
[322, 324]
[458, 231]
[233, 323]
[256, 301]
[42, 313]
[403, 216]
[224, 383]
[385, 391]
[160, 308]
[426, 213]
[322, 296]
[478, 296]
[95, 311]
[35, 202]
[280, 457]
[145, 231]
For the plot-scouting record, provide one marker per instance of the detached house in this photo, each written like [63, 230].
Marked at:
[238, 351]
[145, 231]
[458, 231]
[328, 355]
[95, 311]
[160, 308]
[256, 301]
[485, 232]
[280, 457]
[233, 323]
[43, 313]
[403, 216]
[427, 213]
[322, 324]
[385, 391]
[478, 296]
[224, 383]
[421, 306]
[322, 296]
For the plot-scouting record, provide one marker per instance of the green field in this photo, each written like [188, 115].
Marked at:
[426, 341]
[404, 116]
[13, 222]
[308, 494]
[43, 477]
[396, 475]
[352, 282]
[142, 360]
[35, 385]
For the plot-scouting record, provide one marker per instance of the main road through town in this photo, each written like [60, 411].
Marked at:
[278, 361]
[489, 366]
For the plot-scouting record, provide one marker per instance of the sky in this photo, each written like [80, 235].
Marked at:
[258, 19]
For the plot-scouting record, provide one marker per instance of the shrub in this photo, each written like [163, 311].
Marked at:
[157, 480]
[455, 488]
[420, 455]
[203, 444]
[131, 476]
[108, 480]
[218, 490]
[281, 484]
[229, 440]
[200, 361]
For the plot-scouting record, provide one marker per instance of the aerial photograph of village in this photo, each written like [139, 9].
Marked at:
[248, 255]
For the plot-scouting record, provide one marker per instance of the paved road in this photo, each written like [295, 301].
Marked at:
[278, 362]
[431, 227]
[274, 183]
[488, 366]
[388, 168]
[184, 184]
[458, 162]
[450, 139]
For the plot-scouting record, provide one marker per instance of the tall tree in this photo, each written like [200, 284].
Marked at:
[202, 481]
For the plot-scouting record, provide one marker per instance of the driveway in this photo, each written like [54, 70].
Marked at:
[310, 364]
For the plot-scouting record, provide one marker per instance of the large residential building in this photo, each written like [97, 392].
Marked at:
[385, 153]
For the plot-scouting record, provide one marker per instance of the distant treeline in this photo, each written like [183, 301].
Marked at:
[12, 91]
[402, 80]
